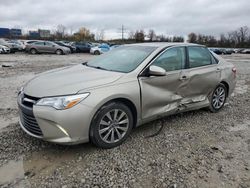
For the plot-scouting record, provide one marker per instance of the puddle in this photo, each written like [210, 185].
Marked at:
[12, 174]
[241, 127]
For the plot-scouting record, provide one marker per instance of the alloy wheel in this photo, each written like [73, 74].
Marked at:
[219, 97]
[113, 126]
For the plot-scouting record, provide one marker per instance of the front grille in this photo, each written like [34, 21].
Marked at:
[27, 117]
[29, 122]
[29, 101]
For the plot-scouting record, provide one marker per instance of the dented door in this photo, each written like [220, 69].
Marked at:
[201, 77]
[161, 95]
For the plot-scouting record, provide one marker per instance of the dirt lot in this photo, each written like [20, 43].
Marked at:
[194, 149]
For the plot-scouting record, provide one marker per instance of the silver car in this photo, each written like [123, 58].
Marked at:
[4, 49]
[46, 47]
[104, 99]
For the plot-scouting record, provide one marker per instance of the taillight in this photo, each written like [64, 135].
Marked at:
[234, 71]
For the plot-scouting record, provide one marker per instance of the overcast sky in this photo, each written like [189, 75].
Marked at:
[169, 17]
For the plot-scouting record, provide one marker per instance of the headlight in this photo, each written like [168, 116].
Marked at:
[62, 103]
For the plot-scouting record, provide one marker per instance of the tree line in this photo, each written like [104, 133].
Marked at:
[239, 38]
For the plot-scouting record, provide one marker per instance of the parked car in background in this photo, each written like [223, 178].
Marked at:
[4, 49]
[94, 44]
[103, 99]
[71, 47]
[238, 50]
[226, 51]
[20, 46]
[230, 51]
[97, 50]
[46, 47]
[221, 51]
[13, 47]
[245, 51]
[82, 47]
[216, 50]
[114, 46]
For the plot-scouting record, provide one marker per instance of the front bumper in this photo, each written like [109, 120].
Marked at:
[69, 126]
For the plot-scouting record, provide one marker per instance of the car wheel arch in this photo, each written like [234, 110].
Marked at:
[124, 101]
[59, 50]
[226, 85]
[33, 49]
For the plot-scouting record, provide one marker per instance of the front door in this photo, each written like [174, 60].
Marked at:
[161, 95]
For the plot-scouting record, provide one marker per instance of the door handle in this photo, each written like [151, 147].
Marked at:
[184, 77]
[218, 69]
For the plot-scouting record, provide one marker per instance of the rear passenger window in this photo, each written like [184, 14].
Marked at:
[172, 59]
[39, 43]
[198, 56]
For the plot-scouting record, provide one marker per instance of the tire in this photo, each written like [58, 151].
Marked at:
[96, 52]
[59, 52]
[33, 51]
[218, 98]
[105, 130]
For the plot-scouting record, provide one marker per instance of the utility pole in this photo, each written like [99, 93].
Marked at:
[122, 31]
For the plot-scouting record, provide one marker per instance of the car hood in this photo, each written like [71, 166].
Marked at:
[69, 80]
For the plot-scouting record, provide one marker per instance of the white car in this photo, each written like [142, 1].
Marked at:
[4, 49]
[97, 50]
[246, 51]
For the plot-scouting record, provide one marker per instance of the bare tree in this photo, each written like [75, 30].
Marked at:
[100, 35]
[192, 38]
[60, 31]
[177, 39]
[243, 34]
[131, 35]
[151, 35]
[139, 36]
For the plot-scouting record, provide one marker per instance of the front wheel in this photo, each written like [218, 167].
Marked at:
[218, 98]
[33, 51]
[111, 125]
[97, 52]
[59, 52]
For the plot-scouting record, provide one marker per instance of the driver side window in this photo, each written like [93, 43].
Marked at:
[172, 59]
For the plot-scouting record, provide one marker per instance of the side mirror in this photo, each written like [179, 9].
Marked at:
[156, 71]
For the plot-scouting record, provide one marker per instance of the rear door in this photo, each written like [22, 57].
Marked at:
[49, 47]
[202, 75]
[39, 46]
[161, 94]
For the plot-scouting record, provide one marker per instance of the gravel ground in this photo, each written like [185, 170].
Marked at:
[194, 149]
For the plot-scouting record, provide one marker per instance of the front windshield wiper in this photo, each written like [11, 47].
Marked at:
[96, 67]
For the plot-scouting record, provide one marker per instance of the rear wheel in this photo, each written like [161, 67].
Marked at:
[59, 52]
[96, 52]
[218, 98]
[111, 125]
[33, 51]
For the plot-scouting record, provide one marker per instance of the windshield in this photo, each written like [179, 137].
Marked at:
[122, 59]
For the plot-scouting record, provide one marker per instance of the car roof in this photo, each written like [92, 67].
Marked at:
[164, 44]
